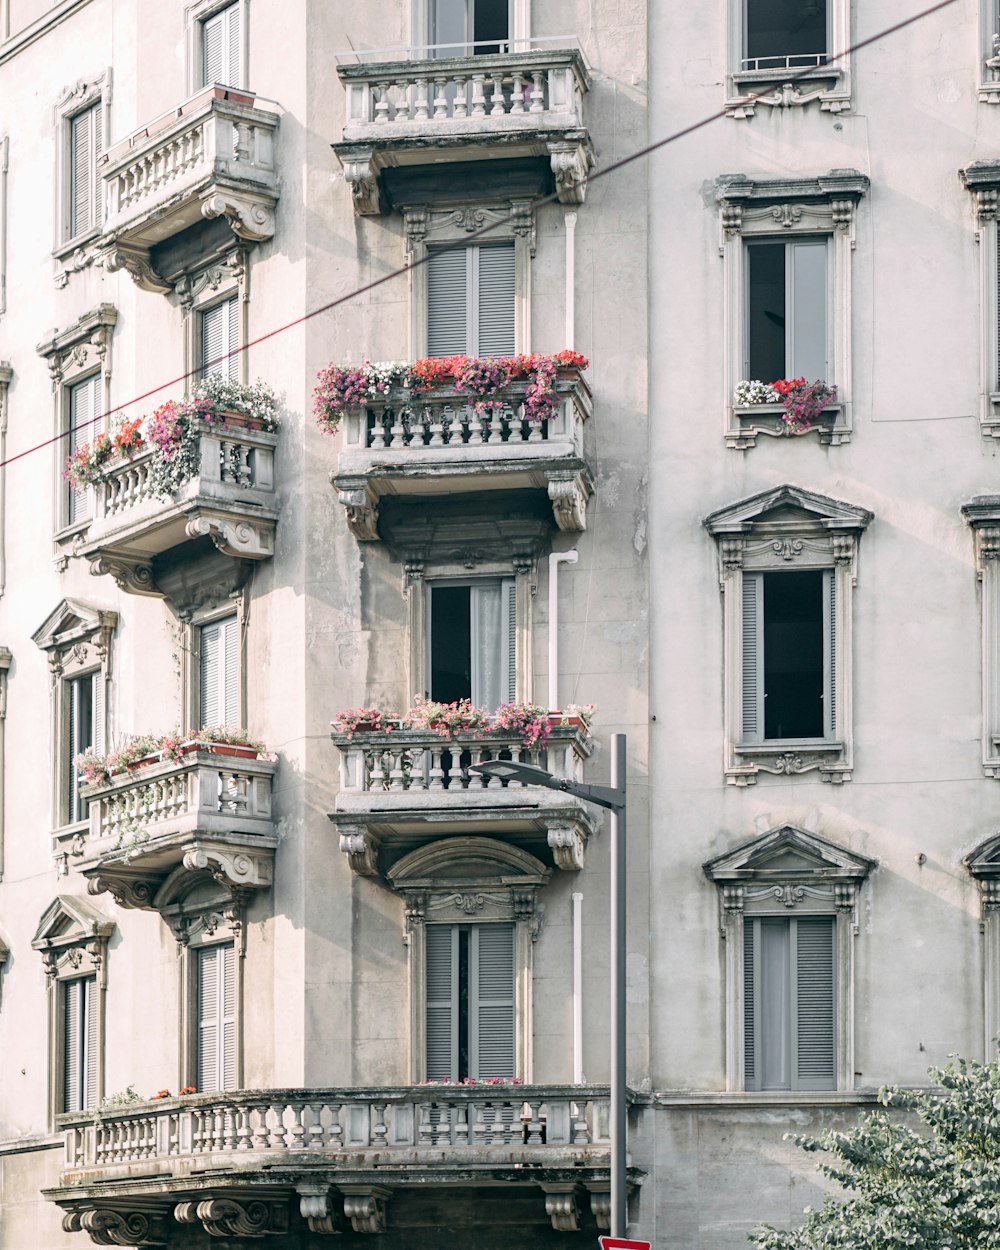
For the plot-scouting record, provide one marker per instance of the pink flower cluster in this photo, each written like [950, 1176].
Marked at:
[528, 721]
[804, 401]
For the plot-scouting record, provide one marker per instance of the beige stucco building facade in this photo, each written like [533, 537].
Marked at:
[385, 980]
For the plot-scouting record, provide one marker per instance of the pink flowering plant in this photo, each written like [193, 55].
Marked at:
[97, 768]
[448, 719]
[348, 721]
[803, 401]
[528, 720]
[474, 1080]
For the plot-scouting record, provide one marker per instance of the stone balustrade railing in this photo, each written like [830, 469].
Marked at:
[413, 760]
[272, 1127]
[538, 89]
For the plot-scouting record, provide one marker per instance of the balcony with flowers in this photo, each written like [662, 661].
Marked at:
[197, 469]
[459, 424]
[162, 807]
[468, 103]
[405, 780]
[210, 157]
[786, 408]
[298, 1161]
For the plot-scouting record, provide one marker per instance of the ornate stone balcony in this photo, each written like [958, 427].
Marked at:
[211, 156]
[401, 787]
[435, 443]
[466, 108]
[230, 500]
[258, 1162]
[149, 828]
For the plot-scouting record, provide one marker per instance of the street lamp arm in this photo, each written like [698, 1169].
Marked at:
[603, 796]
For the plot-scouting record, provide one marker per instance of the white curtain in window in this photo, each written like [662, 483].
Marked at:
[806, 351]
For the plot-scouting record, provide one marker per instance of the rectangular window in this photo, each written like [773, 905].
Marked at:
[779, 34]
[219, 673]
[85, 142]
[470, 1002]
[789, 996]
[483, 23]
[218, 336]
[788, 655]
[215, 1022]
[471, 301]
[787, 322]
[472, 641]
[79, 1050]
[221, 48]
[84, 409]
[85, 716]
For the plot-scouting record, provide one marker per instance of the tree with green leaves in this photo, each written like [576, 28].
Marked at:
[928, 1180]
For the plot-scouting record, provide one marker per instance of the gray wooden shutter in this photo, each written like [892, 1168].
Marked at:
[219, 678]
[72, 750]
[752, 676]
[208, 703]
[830, 653]
[749, 1013]
[85, 141]
[495, 300]
[84, 407]
[207, 1067]
[231, 670]
[814, 1016]
[89, 1061]
[806, 345]
[441, 982]
[227, 1015]
[79, 1043]
[448, 330]
[220, 47]
[492, 1049]
[220, 335]
[98, 712]
[508, 589]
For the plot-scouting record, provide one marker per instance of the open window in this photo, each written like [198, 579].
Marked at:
[788, 563]
[470, 27]
[472, 641]
[788, 321]
[84, 409]
[771, 41]
[785, 34]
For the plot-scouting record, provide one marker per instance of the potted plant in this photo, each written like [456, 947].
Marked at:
[529, 721]
[240, 405]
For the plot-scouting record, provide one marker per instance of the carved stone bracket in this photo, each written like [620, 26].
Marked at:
[989, 894]
[127, 891]
[224, 1217]
[241, 538]
[235, 869]
[366, 1207]
[361, 850]
[316, 1207]
[108, 1227]
[562, 1208]
[250, 217]
[361, 176]
[571, 162]
[569, 493]
[361, 504]
[136, 263]
[788, 95]
[134, 577]
[567, 844]
[600, 1206]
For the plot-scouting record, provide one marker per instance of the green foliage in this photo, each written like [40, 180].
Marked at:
[934, 1185]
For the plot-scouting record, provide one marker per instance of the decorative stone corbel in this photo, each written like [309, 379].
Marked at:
[567, 844]
[132, 576]
[224, 1217]
[361, 504]
[570, 163]
[569, 492]
[600, 1206]
[361, 176]
[108, 1227]
[242, 539]
[233, 869]
[136, 263]
[730, 906]
[562, 1208]
[249, 217]
[365, 1206]
[316, 1207]
[361, 850]
[127, 891]
[989, 895]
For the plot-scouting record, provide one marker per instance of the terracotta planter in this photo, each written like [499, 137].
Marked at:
[240, 421]
[232, 749]
[143, 763]
[557, 718]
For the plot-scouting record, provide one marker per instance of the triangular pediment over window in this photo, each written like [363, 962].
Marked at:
[984, 861]
[784, 507]
[72, 621]
[788, 853]
[69, 919]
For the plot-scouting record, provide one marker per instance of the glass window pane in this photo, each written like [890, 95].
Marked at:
[774, 1006]
[807, 315]
[793, 654]
[785, 32]
[766, 311]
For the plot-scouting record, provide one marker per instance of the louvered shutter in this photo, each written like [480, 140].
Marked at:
[830, 653]
[84, 407]
[72, 1019]
[72, 750]
[231, 671]
[749, 1012]
[97, 736]
[219, 338]
[211, 643]
[814, 1048]
[89, 1058]
[219, 673]
[448, 330]
[509, 645]
[227, 1015]
[496, 299]
[806, 351]
[208, 1068]
[220, 48]
[85, 141]
[441, 981]
[491, 1002]
[752, 676]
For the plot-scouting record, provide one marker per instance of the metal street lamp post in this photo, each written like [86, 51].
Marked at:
[613, 798]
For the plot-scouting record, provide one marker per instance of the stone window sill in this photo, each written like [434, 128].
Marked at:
[750, 421]
[788, 758]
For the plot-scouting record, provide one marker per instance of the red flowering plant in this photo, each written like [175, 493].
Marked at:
[98, 769]
[160, 1093]
[804, 401]
[188, 1089]
[85, 467]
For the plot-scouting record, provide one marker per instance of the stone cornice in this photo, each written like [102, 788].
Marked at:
[836, 184]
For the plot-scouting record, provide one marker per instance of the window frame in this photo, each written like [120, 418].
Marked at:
[83, 95]
[195, 16]
[508, 639]
[982, 180]
[812, 241]
[983, 865]
[425, 228]
[827, 85]
[67, 518]
[787, 209]
[788, 872]
[989, 56]
[472, 254]
[218, 618]
[420, 26]
[784, 529]
[225, 279]
[983, 515]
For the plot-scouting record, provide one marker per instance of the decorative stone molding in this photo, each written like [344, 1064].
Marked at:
[133, 260]
[85, 343]
[562, 1208]
[316, 1207]
[600, 1207]
[240, 537]
[571, 163]
[751, 208]
[567, 843]
[366, 1206]
[788, 870]
[127, 891]
[983, 865]
[768, 531]
[569, 493]
[983, 515]
[361, 849]
[361, 504]
[225, 1217]
[133, 576]
[127, 1227]
[361, 175]
[982, 180]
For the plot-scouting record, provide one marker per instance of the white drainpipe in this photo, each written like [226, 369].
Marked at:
[577, 989]
[555, 559]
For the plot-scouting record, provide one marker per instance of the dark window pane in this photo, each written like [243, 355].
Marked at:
[766, 311]
[490, 24]
[781, 32]
[793, 655]
[451, 644]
